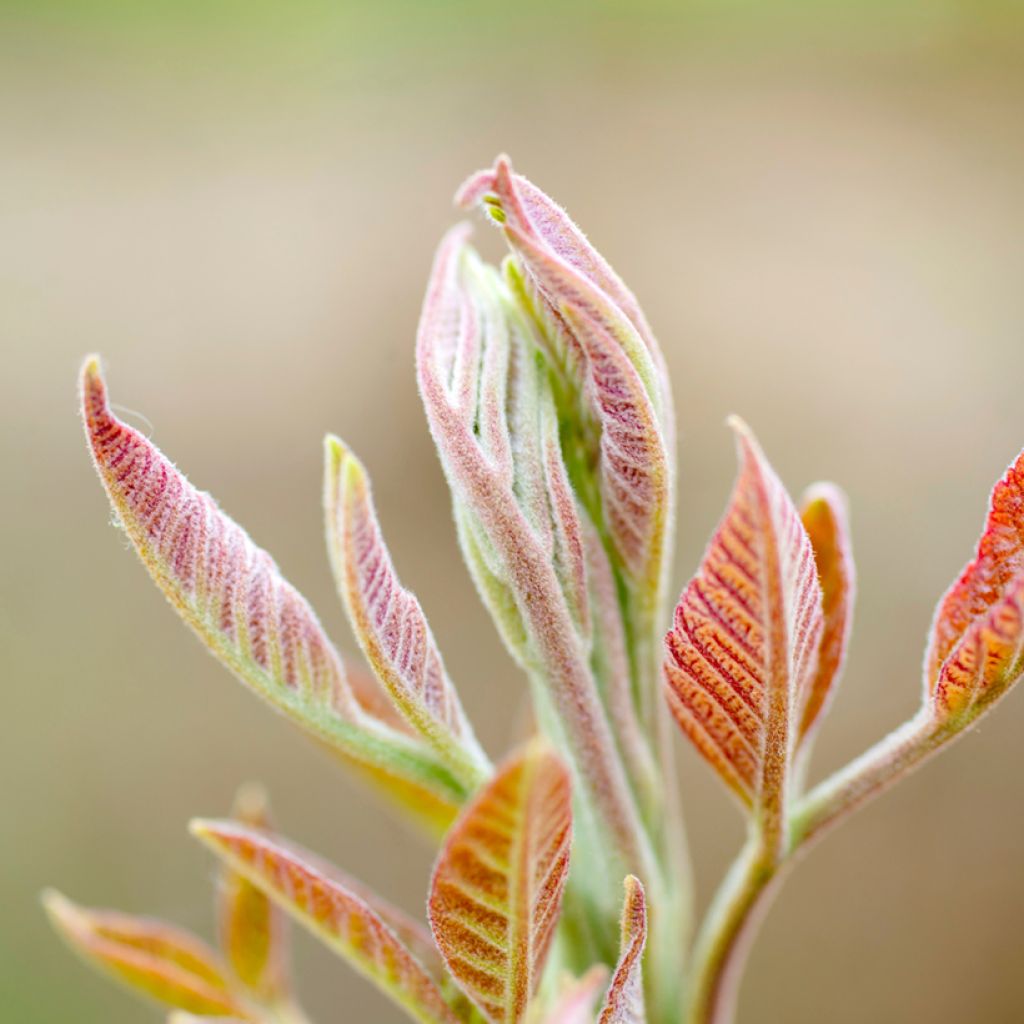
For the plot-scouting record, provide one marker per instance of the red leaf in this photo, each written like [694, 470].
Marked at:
[999, 560]
[988, 659]
[744, 647]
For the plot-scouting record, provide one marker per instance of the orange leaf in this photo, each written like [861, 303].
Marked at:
[825, 520]
[253, 932]
[375, 938]
[744, 646]
[624, 1003]
[999, 560]
[166, 964]
[988, 659]
[497, 888]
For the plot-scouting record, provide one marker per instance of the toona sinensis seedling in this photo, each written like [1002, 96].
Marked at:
[547, 397]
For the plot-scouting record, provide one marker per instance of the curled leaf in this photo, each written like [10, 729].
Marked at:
[621, 369]
[497, 887]
[375, 938]
[744, 646]
[388, 620]
[825, 519]
[498, 506]
[231, 593]
[985, 582]
[253, 932]
[987, 661]
[164, 963]
[624, 1003]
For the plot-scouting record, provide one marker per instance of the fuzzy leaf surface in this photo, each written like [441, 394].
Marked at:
[985, 583]
[388, 621]
[624, 1003]
[376, 939]
[468, 379]
[231, 593]
[496, 891]
[744, 646]
[825, 519]
[155, 959]
[987, 661]
[607, 346]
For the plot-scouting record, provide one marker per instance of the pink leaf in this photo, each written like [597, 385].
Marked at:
[497, 887]
[388, 621]
[510, 558]
[744, 647]
[605, 332]
[225, 587]
[233, 596]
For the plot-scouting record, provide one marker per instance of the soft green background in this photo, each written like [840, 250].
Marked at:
[821, 207]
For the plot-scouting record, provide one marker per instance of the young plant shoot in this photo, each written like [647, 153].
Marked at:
[560, 893]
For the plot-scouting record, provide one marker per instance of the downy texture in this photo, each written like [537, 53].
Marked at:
[560, 893]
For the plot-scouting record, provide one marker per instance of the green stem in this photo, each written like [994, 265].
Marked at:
[757, 873]
[864, 778]
[728, 931]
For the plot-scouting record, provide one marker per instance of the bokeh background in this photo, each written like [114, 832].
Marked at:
[821, 207]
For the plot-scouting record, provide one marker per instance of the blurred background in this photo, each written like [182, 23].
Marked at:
[820, 206]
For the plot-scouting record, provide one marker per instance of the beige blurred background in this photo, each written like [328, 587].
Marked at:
[821, 207]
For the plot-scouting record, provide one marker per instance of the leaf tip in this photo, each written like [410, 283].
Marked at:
[61, 911]
[93, 391]
[205, 830]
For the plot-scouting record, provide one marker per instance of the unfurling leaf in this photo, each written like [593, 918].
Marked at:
[497, 435]
[388, 621]
[826, 521]
[607, 346]
[234, 597]
[976, 646]
[376, 939]
[624, 1003]
[164, 963]
[473, 364]
[986, 662]
[253, 932]
[497, 887]
[744, 647]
